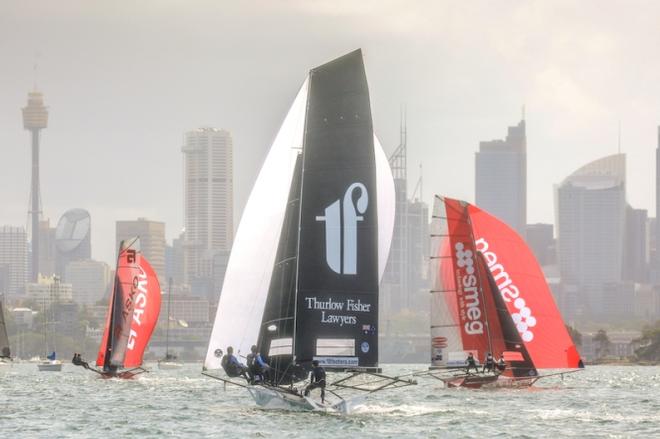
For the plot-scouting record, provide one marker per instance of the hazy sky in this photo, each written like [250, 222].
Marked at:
[125, 80]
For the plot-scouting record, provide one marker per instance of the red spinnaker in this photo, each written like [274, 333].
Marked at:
[146, 308]
[523, 287]
[132, 312]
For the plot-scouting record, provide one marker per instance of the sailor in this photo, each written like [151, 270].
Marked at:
[232, 366]
[471, 363]
[257, 367]
[76, 359]
[316, 380]
[489, 364]
[501, 365]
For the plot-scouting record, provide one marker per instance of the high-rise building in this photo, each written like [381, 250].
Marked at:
[47, 252]
[13, 260]
[635, 260]
[405, 280]
[152, 241]
[175, 260]
[73, 239]
[501, 177]
[89, 280]
[540, 239]
[591, 214]
[35, 119]
[208, 193]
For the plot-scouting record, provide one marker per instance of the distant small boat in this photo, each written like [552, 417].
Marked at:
[170, 362]
[50, 364]
[133, 312]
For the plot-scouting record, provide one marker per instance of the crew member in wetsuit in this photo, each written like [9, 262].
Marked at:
[316, 380]
[471, 363]
[257, 367]
[232, 366]
[501, 365]
[78, 361]
[489, 364]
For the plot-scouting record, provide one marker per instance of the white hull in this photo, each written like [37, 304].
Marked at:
[50, 366]
[273, 399]
[169, 365]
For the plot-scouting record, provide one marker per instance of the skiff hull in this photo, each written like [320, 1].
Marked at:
[488, 382]
[278, 400]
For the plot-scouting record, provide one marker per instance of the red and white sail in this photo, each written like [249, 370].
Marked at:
[523, 288]
[133, 310]
[459, 322]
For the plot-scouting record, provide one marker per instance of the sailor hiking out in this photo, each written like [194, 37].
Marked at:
[232, 366]
[257, 367]
[471, 363]
[489, 364]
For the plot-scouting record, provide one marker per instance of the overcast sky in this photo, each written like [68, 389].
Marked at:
[124, 81]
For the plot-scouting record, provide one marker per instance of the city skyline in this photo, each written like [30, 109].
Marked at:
[573, 106]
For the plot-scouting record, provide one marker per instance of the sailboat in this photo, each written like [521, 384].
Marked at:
[482, 304]
[48, 363]
[132, 315]
[302, 281]
[170, 361]
[5, 351]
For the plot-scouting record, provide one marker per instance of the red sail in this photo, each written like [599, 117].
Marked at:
[523, 287]
[120, 310]
[146, 308]
[467, 297]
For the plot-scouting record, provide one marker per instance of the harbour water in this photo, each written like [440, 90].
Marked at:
[602, 401]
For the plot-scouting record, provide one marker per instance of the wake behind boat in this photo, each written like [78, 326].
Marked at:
[303, 277]
[490, 298]
[132, 315]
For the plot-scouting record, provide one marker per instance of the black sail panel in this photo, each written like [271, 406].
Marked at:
[276, 332]
[337, 298]
[5, 352]
[522, 366]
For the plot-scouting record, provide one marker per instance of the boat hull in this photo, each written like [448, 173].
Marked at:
[488, 381]
[51, 366]
[268, 398]
[169, 365]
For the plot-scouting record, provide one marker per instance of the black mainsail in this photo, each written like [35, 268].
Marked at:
[5, 352]
[337, 297]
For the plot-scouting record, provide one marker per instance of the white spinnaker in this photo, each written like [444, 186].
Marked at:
[252, 258]
[386, 206]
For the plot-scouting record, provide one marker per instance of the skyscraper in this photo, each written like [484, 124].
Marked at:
[501, 177]
[13, 259]
[209, 198]
[35, 118]
[591, 215]
[152, 241]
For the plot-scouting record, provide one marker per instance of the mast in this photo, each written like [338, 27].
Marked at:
[167, 330]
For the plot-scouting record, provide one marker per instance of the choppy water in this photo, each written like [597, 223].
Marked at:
[602, 401]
